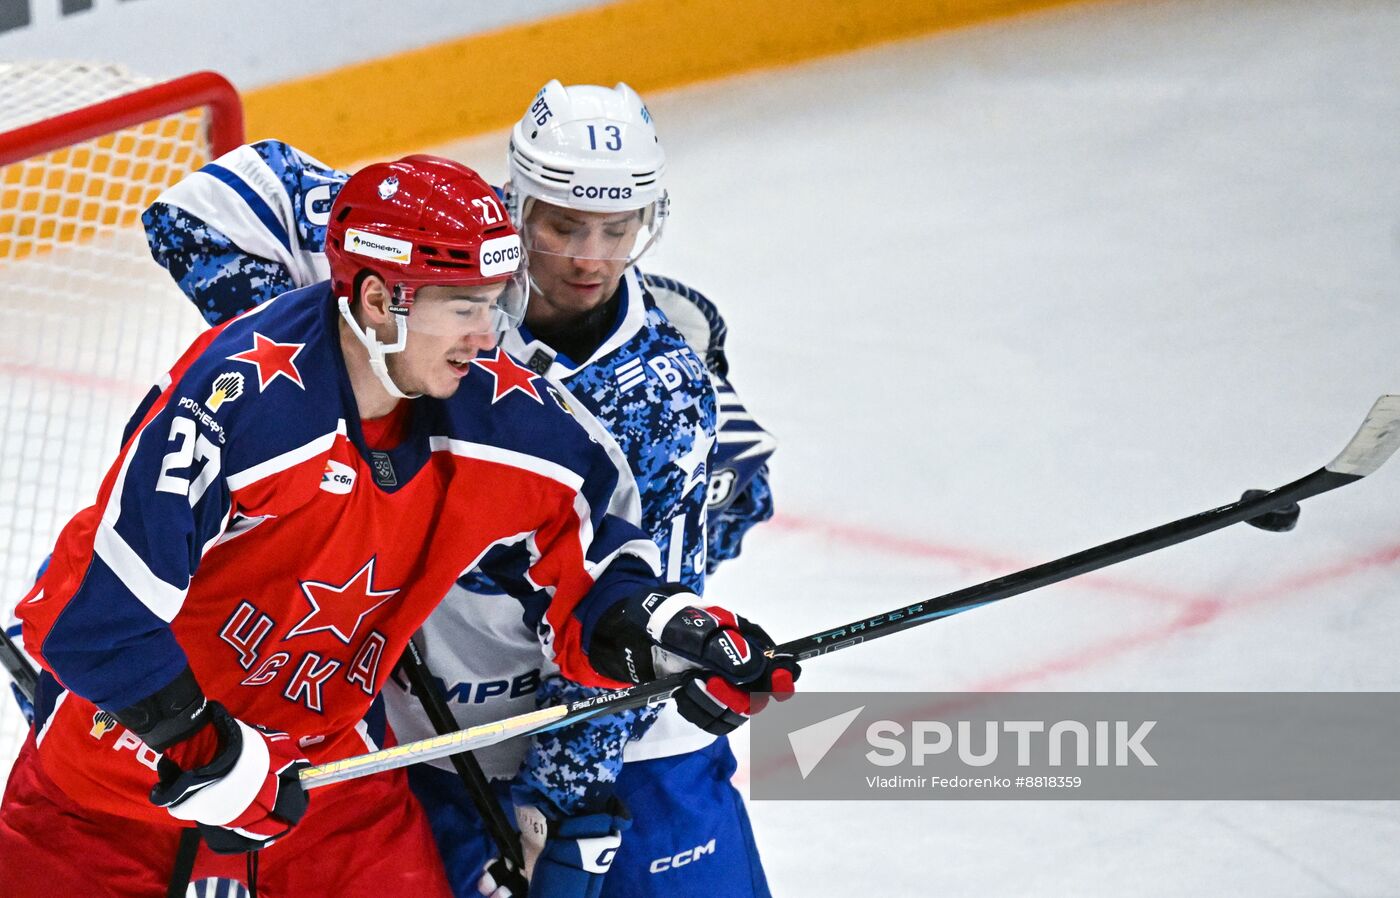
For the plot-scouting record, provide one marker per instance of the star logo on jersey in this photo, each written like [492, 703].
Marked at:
[509, 375]
[692, 464]
[273, 360]
[340, 609]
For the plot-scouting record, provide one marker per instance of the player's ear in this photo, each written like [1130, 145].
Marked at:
[374, 299]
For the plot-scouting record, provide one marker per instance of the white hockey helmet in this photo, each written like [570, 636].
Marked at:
[589, 148]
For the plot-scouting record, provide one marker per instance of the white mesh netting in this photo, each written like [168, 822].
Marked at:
[90, 320]
[33, 91]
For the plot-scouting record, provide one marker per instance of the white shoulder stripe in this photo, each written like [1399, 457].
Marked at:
[534, 464]
[217, 204]
[162, 598]
[286, 460]
[113, 509]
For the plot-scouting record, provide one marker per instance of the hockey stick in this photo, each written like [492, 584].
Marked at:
[465, 763]
[22, 673]
[1375, 442]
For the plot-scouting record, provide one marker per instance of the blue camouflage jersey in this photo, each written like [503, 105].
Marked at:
[739, 496]
[252, 224]
[654, 394]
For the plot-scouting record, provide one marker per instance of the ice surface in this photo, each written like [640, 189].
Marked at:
[1009, 292]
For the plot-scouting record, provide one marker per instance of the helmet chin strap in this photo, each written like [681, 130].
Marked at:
[377, 350]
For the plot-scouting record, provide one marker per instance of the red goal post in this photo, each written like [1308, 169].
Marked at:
[142, 105]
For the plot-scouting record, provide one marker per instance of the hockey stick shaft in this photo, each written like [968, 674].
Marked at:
[478, 787]
[18, 667]
[1375, 442]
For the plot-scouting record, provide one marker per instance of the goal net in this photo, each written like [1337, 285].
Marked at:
[90, 321]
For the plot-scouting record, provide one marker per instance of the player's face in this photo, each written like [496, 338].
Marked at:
[576, 258]
[447, 327]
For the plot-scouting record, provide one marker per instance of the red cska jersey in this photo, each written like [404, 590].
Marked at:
[247, 530]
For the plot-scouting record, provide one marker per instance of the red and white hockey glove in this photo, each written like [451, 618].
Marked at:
[662, 633]
[238, 783]
[716, 704]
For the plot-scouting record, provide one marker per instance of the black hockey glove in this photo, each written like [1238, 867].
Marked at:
[661, 633]
[238, 783]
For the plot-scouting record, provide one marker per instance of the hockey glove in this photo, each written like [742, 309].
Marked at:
[501, 879]
[565, 857]
[662, 633]
[238, 783]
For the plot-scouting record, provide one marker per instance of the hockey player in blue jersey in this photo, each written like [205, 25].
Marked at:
[587, 190]
[656, 383]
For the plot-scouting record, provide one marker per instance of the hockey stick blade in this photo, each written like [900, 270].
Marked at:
[1376, 441]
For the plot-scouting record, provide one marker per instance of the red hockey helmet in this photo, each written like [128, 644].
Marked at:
[422, 220]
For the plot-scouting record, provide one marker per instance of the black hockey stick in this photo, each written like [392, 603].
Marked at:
[420, 678]
[25, 677]
[1376, 441]
[185, 853]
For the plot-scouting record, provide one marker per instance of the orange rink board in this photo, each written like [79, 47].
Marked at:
[476, 83]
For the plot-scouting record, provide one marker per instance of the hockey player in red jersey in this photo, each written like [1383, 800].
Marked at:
[286, 510]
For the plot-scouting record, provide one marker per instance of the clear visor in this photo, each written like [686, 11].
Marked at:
[464, 310]
[601, 236]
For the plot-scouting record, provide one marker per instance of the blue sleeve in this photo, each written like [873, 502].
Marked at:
[739, 495]
[574, 769]
[244, 228]
[728, 526]
[220, 279]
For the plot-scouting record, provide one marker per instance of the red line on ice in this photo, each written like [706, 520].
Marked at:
[976, 559]
[85, 381]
